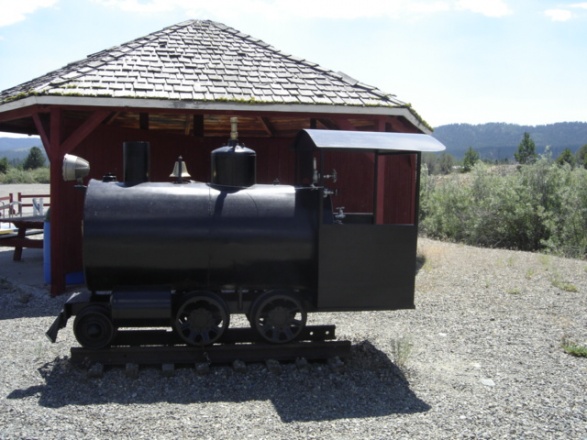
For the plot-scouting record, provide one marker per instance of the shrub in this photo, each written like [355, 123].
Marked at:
[568, 230]
[3, 165]
[17, 175]
[542, 206]
[445, 207]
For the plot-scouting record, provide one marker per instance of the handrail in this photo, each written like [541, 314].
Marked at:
[15, 206]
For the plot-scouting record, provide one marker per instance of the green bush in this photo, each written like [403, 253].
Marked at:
[536, 207]
[568, 229]
[445, 207]
[17, 175]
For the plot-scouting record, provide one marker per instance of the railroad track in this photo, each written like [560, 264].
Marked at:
[137, 348]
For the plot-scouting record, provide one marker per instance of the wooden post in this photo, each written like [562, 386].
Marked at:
[58, 204]
[56, 146]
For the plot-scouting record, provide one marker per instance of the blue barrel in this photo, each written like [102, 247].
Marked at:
[70, 278]
[47, 252]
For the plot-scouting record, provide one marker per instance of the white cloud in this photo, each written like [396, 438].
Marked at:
[276, 9]
[12, 135]
[335, 9]
[565, 14]
[14, 11]
[152, 6]
[559, 14]
[315, 9]
[489, 8]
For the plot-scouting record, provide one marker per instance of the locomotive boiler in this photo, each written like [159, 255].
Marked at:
[187, 255]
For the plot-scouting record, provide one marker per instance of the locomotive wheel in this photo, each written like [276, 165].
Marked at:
[93, 327]
[202, 319]
[278, 317]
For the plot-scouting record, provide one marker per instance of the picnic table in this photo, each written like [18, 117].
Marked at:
[25, 227]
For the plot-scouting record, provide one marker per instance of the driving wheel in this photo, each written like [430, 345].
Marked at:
[202, 319]
[278, 317]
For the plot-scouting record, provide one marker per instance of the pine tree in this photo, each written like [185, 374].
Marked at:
[526, 150]
[582, 156]
[470, 159]
[34, 160]
[566, 156]
[3, 165]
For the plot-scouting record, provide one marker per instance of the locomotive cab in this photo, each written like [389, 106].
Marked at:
[367, 255]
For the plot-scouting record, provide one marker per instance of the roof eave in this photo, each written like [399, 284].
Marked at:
[165, 104]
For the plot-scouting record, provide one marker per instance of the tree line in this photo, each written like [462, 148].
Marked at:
[502, 138]
[526, 153]
[32, 169]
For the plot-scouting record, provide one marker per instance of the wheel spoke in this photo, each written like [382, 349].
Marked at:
[288, 333]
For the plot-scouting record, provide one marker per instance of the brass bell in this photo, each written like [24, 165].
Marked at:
[180, 171]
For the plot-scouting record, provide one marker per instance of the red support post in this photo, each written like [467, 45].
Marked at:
[58, 205]
[59, 146]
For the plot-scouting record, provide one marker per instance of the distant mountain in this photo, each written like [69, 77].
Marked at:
[493, 141]
[18, 148]
[499, 141]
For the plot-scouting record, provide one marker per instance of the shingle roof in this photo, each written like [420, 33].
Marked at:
[202, 61]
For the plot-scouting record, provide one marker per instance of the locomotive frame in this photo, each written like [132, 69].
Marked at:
[271, 252]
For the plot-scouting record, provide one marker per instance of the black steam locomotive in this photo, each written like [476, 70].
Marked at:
[187, 255]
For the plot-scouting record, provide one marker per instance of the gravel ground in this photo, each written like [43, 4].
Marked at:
[480, 357]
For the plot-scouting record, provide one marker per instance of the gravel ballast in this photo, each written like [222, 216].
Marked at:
[479, 357]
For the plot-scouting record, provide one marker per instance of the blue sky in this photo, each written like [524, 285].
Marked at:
[455, 61]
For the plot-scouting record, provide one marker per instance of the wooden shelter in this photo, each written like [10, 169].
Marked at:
[177, 88]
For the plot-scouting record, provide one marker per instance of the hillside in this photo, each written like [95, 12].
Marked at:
[18, 148]
[494, 141]
[498, 141]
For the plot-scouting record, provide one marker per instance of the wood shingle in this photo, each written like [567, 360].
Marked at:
[200, 61]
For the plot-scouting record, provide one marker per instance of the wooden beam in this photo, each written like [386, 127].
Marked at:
[393, 125]
[55, 133]
[58, 205]
[199, 126]
[267, 126]
[380, 124]
[344, 124]
[42, 131]
[89, 125]
[188, 124]
[111, 118]
[144, 121]
[380, 189]
[19, 113]
[56, 149]
[329, 124]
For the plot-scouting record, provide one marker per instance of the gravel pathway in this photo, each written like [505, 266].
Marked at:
[480, 357]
